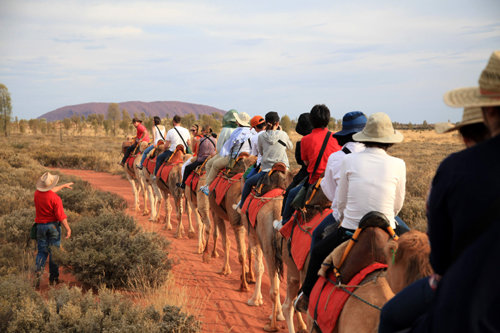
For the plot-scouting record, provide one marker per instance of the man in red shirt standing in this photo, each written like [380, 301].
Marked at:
[142, 135]
[49, 215]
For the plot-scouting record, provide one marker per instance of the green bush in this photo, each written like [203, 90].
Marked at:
[14, 198]
[71, 310]
[109, 249]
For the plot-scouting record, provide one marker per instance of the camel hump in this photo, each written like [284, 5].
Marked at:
[180, 148]
[374, 219]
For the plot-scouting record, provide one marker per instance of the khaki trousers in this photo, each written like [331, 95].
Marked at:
[214, 165]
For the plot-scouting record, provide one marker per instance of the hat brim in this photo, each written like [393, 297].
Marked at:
[469, 97]
[347, 132]
[242, 122]
[397, 137]
[42, 188]
[465, 123]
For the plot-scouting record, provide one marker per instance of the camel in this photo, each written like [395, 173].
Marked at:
[408, 261]
[225, 212]
[134, 176]
[316, 205]
[169, 187]
[198, 203]
[263, 241]
[155, 197]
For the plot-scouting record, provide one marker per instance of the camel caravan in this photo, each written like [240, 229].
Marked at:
[331, 226]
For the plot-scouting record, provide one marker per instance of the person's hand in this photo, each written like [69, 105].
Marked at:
[68, 233]
[68, 185]
[326, 265]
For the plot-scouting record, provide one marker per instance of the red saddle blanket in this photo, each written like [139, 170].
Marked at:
[193, 179]
[253, 204]
[130, 161]
[164, 171]
[326, 300]
[221, 185]
[150, 164]
[301, 235]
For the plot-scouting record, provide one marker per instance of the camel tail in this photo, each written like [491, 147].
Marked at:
[278, 253]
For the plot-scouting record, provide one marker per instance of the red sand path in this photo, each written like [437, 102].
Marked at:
[225, 308]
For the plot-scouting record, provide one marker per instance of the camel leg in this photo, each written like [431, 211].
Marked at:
[191, 231]
[256, 299]
[143, 187]
[226, 244]
[134, 190]
[239, 232]
[251, 270]
[152, 203]
[215, 234]
[292, 289]
[168, 212]
[180, 226]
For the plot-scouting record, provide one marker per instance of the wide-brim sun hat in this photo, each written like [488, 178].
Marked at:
[47, 182]
[379, 129]
[472, 115]
[352, 122]
[488, 92]
[243, 119]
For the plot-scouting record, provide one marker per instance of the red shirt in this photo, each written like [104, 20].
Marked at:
[310, 145]
[48, 207]
[142, 133]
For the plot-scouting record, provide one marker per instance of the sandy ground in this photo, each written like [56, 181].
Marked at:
[223, 307]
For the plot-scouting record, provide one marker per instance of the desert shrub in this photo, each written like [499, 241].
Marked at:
[15, 227]
[88, 160]
[71, 310]
[13, 198]
[109, 249]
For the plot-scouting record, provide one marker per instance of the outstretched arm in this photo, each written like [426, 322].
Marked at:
[60, 187]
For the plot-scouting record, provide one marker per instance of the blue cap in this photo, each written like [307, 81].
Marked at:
[352, 122]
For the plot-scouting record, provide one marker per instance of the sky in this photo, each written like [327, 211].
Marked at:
[397, 57]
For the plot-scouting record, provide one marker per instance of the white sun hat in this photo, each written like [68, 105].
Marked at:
[47, 182]
[379, 129]
[488, 92]
[242, 118]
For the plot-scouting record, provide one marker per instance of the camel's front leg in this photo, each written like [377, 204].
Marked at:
[168, 212]
[239, 232]
[256, 299]
[226, 245]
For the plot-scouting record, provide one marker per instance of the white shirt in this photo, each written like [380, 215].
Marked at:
[370, 180]
[175, 138]
[255, 145]
[332, 173]
[156, 133]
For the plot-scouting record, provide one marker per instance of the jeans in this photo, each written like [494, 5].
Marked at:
[145, 153]
[251, 173]
[250, 182]
[406, 307]
[47, 235]
[288, 211]
[190, 168]
[316, 235]
[161, 158]
[401, 226]
[128, 152]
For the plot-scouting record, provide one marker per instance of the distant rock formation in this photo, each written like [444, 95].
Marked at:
[151, 109]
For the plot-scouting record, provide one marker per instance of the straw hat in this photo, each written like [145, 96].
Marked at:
[469, 117]
[47, 182]
[243, 119]
[256, 121]
[379, 129]
[488, 92]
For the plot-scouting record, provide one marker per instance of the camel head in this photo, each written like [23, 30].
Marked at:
[408, 259]
[142, 146]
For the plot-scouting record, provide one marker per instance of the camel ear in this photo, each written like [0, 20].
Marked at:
[390, 251]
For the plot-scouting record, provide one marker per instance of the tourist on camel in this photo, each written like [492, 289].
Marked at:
[177, 135]
[303, 127]
[238, 142]
[229, 124]
[352, 123]
[370, 180]
[258, 125]
[195, 142]
[463, 227]
[273, 144]
[206, 149]
[158, 134]
[142, 135]
[49, 215]
[319, 142]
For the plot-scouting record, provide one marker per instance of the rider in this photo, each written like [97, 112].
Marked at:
[142, 135]
[311, 146]
[463, 223]
[273, 145]
[206, 148]
[238, 142]
[370, 180]
[258, 124]
[158, 134]
[178, 135]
